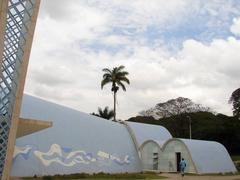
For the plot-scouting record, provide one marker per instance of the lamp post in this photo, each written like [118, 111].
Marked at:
[190, 127]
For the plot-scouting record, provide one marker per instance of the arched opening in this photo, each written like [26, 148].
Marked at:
[150, 155]
[173, 151]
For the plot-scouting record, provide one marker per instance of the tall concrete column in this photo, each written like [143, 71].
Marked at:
[18, 36]
[3, 17]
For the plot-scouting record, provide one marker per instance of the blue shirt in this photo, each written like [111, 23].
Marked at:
[182, 164]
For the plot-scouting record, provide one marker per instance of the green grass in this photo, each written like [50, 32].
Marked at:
[101, 176]
[121, 176]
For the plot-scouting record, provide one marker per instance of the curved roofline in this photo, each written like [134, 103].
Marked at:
[176, 139]
[141, 150]
[151, 125]
[162, 149]
[134, 139]
[132, 134]
[147, 141]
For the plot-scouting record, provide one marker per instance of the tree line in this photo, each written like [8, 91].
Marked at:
[177, 114]
[117, 77]
[205, 126]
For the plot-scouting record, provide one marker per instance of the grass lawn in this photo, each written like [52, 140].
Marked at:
[122, 176]
[102, 176]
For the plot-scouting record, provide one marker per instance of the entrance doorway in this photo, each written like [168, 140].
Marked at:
[178, 159]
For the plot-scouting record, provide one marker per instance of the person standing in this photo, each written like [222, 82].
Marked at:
[182, 166]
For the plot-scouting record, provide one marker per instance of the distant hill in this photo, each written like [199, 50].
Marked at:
[173, 107]
[205, 126]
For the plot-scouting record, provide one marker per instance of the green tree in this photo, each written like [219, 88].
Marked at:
[117, 77]
[104, 113]
[235, 101]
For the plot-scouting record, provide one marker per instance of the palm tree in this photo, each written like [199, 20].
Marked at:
[104, 113]
[116, 77]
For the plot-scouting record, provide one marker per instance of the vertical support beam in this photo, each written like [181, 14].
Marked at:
[3, 17]
[135, 142]
[19, 93]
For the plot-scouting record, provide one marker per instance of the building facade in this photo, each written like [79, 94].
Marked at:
[67, 141]
[79, 142]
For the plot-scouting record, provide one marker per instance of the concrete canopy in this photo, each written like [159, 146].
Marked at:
[29, 126]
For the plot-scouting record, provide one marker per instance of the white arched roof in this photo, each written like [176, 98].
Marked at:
[77, 142]
[208, 156]
[144, 132]
[160, 144]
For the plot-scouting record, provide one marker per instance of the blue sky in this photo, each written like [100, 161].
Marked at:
[171, 48]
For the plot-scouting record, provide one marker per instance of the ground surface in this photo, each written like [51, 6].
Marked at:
[189, 177]
[169, 176]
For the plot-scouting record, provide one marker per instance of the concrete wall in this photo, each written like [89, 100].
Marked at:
[77, 142]
[209, 156]
[150, 153]
[168, 162]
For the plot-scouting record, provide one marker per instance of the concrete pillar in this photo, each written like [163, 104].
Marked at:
[19, 93]
[3, 17]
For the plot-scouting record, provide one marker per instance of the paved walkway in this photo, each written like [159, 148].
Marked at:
[186, 177]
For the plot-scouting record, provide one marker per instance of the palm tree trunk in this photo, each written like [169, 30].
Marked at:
[114, 109]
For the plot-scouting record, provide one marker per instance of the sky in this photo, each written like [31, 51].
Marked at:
[187, 48]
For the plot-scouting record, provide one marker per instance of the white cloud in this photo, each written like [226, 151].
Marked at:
[65, 69]
[141, 11]
[235, 28]
[201, 72]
